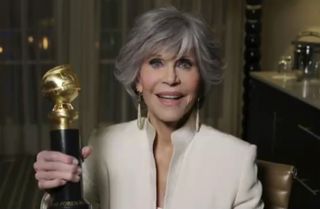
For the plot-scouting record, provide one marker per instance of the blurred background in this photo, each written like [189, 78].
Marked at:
[37, 35]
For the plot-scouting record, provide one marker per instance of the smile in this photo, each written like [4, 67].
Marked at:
[170, 95]
[170, 99]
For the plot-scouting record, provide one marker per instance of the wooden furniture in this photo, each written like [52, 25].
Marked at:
[284, 122]
[252, 40]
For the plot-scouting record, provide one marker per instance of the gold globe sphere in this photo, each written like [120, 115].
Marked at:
[62, 86]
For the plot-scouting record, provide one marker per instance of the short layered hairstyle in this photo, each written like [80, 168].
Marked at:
[168, 29]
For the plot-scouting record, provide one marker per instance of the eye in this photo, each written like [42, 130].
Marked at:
[184, 63]
[156, 63]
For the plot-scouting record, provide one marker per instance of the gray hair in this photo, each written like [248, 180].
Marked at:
[173, 31]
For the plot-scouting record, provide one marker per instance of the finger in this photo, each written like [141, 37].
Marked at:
[51, 183]
[52, 175]
[55, 166]
[56, 156]
[86, 151]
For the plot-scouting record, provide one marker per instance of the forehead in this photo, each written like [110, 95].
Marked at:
[169, 54]
[178, 44]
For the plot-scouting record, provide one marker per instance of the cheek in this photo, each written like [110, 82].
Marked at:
[193, 88]
[193, 83]
[148, 81]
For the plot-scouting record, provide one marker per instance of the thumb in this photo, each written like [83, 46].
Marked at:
[86, 151]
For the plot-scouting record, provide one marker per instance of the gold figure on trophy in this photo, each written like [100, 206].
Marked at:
[61, 85]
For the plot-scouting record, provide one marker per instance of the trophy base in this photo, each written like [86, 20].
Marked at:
[68, 196]
[75, 204]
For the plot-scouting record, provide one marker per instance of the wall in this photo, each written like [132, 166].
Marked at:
[282, 21]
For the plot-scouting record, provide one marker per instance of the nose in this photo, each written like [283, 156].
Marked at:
[171, 76]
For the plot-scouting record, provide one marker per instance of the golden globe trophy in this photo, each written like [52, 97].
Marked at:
[61, 85]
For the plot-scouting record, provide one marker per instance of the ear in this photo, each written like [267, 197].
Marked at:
[139, 87]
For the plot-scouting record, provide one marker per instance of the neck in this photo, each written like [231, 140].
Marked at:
[165, 129]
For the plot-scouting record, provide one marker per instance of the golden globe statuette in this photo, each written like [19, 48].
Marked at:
[61, 85]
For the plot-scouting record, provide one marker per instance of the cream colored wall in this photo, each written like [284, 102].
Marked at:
[281, 22]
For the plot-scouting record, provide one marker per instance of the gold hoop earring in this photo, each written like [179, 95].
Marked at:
[140, 119]
[198, 115]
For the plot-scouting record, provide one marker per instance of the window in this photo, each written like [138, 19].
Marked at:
[27, 50]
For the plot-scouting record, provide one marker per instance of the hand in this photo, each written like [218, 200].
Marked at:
[54, 169]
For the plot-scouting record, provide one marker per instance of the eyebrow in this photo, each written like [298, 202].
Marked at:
[185, 56]
[188, 58]
[154, 56]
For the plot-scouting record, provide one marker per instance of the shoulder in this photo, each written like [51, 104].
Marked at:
[225, 154]
[222, 142]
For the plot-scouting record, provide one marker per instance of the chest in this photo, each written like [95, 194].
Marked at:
[162, 162]
[140, 179]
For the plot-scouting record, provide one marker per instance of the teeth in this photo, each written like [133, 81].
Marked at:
[169, 97]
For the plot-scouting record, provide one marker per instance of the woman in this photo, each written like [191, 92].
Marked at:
[168, 160]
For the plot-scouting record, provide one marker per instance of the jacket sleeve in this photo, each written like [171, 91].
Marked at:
[249, 189]
[95, 176]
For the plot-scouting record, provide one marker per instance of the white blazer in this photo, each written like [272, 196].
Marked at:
[209, 170]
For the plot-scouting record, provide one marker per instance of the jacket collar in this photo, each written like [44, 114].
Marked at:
[180, 137]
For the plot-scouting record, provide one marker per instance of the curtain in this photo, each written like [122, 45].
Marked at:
[88, 35]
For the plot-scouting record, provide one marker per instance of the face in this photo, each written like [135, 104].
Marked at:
[169, 86]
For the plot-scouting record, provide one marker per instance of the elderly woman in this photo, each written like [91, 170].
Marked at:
[165, 158]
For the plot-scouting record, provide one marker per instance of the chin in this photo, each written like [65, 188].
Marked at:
[171, 117]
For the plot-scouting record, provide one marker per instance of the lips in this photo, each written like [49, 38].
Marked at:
[170, 95]
[170, 98]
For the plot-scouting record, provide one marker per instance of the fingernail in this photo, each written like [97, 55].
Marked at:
[79, 170]
[77, 178]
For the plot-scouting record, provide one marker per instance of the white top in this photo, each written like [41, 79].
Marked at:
[208, 170]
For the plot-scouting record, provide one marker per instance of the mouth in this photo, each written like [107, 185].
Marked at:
[170, 95]
[170, 99]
